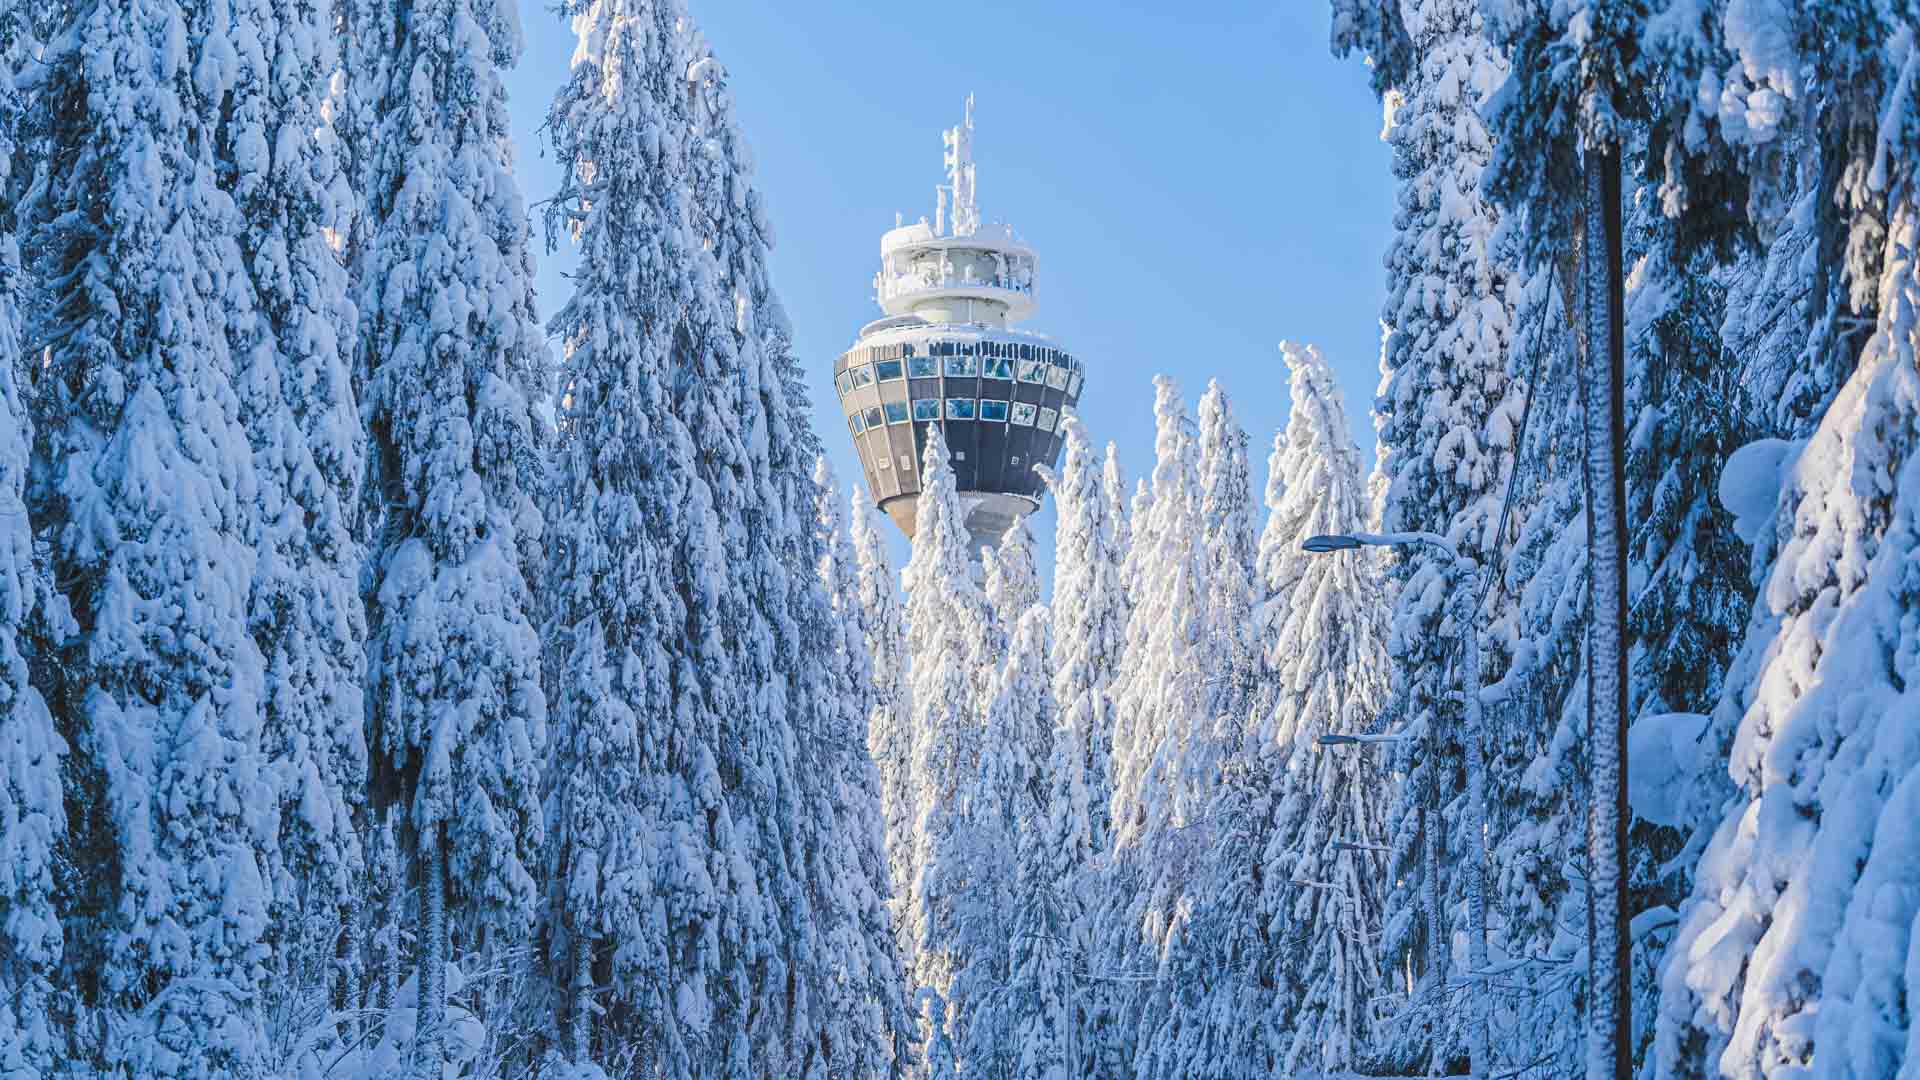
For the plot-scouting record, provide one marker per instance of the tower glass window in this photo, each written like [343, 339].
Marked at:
[862, 376]
[926, 408]
[1033, 371]
[845, 382]
[959, 408]
[961, 367]
[922, 367]
[999, 367]
[896, 412]
[889, 370]
[875, 417]
[992, 410]
[1047, 417]
[1023, 414]
[1057, 378]
[856, 423]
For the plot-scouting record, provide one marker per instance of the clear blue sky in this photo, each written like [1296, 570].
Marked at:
[1201, 180]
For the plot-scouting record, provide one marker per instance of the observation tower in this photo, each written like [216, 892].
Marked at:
[945, 353]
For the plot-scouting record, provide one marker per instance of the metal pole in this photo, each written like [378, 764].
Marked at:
[1467, 591]
[1602, 378]
[1436, 942]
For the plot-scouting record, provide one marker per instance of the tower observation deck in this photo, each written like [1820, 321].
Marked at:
[945, 354]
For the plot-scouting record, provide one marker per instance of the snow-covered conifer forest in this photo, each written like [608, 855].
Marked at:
[406, 675]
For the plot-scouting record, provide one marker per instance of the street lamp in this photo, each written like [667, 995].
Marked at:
[1320, 545]
[1361, 740]
[1465, 596]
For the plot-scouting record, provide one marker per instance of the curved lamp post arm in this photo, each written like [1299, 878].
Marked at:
[1406, 539]
[1349, 541]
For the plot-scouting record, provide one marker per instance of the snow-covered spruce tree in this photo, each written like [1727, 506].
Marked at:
[1113, 486]
[1787, 972]
[366, 34]
[1226, 537]
[860, 1025]
[1139, 519]
[25, 33]
[1687, 413]
[1536, 705]
[1276, 968]
[1789, 316]
[1445, 414]
[623, 777]
[1325, 798]
[1796, 320]
[151, 502]
[1787, 341]
[889, 736]
[1156, 693]
[1008, 999]
[1089, 631]
[1539, 755]
[1161, 701]
[1188, 698]
[733, 972]
[1589, 80]
[1011, 580]
[1798, 937]
[293, 352]
[33, 814]
[1053, 933]
[747, 400]
[947, 618]
[454, 367]
[1690, 591]
[1089, 617]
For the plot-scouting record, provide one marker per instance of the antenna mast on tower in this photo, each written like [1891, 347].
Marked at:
[959, 159]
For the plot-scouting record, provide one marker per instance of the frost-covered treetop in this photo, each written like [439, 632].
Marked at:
[1011, 577]
[1311, 485]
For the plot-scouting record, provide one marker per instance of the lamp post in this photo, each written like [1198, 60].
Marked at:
[1465, 598]
[1361, 740]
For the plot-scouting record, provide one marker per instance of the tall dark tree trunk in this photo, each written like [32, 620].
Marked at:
[1603, 395]
[582, 998]
[432, 1003]
[1436, 991]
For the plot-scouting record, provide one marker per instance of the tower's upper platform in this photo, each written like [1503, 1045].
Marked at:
[956, 269]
